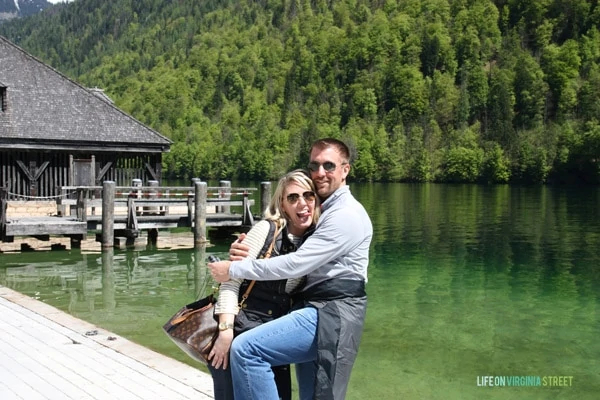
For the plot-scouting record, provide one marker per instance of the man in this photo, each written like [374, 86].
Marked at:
[321, 336]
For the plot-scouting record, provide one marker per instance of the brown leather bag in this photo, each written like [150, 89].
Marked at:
[194, 328]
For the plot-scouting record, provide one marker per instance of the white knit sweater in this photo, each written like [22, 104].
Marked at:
[227, 302]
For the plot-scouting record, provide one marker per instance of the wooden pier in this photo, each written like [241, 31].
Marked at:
[117, 213]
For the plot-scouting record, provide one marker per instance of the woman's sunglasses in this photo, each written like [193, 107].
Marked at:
[328, 166]
[293, 198]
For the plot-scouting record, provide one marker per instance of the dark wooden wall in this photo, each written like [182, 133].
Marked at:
[47, 172]
[125, 169]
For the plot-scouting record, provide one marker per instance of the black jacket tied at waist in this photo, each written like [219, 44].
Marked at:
[341, 306]
[334, 289]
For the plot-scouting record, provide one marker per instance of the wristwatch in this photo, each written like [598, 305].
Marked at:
[223, 326]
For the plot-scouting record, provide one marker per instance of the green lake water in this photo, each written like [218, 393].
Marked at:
[469, 286]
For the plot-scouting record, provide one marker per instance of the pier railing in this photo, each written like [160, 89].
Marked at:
[124, 211]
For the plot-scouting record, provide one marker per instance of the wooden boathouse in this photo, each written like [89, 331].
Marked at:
[56, 133]
[61, 142]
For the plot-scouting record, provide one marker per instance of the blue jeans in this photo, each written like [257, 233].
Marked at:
[290, 339]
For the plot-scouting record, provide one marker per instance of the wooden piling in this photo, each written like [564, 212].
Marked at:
[108, 280]
[108, 214]
[265, 196]
[61, 208]
[137, 193]
[202, 277]
[152, 194]
[3, 207]
[201, 192]
[224, 194]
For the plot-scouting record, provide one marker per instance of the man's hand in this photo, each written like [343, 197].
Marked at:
[220, 270]
[238, 250]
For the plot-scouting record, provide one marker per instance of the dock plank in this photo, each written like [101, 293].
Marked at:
[47, 355]
[30, 226]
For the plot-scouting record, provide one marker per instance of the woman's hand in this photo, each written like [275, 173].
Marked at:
[219, 355]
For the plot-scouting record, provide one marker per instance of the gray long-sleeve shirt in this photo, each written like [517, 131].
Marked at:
[339, 247]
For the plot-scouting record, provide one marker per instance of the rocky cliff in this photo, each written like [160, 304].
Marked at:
[21, 8]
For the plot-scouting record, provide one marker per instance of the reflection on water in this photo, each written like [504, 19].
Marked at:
[464, 282]
[129, 292]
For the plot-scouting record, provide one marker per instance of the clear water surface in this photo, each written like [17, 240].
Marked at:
[466, 282]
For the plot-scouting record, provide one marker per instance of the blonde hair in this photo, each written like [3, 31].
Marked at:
[274, 211]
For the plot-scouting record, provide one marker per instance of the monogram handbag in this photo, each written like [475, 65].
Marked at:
[194, 328]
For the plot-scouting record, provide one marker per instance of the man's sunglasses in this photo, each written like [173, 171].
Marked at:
[328, 166]
[293, 198]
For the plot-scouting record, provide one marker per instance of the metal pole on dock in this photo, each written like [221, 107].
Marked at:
[265, 196]
[108, 214]
[200, 192]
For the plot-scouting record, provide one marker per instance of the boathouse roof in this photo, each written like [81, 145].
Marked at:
[42, 109]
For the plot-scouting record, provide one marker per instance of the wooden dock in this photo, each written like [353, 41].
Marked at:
[121, 213]
[48, 354]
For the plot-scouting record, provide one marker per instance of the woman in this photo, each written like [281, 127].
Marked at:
[288, 221]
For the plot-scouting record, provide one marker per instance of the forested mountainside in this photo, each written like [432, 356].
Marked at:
[423, 90]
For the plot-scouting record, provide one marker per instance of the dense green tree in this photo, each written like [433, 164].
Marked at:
[462, 164]
[531, 93]
[501, 110]
[496, 166]
[561, 67]
[589, 96]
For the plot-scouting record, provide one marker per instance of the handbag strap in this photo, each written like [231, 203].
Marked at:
[267, 255]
